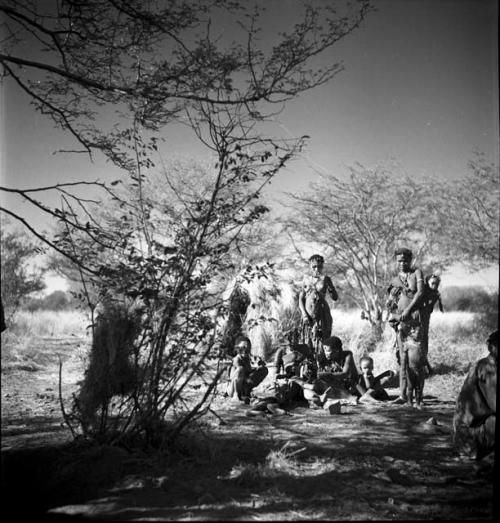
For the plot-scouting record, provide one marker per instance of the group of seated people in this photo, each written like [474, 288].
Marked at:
[330, 374]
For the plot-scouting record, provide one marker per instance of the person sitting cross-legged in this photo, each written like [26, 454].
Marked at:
[246, 372]
[337, 375]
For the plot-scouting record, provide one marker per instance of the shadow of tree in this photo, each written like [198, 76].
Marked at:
[376, 462]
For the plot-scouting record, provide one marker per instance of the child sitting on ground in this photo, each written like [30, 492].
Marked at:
[370, 387]
[246, 372]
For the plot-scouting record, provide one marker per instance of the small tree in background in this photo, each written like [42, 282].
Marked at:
[21, 277]
[359, 222]
[468, 214]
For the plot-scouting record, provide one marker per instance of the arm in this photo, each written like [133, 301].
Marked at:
[320, 360]
[331, 288]
[237, 361]
[302, 307]
[257, 362]
[440, 303]
[392, 297]
[361, 386]
[418, 295]
[349, 367]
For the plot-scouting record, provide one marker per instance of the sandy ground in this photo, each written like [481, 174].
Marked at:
[370, 462]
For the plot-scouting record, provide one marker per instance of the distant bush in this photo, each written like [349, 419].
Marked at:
[38, 323]
[55, 301]
[472, 299]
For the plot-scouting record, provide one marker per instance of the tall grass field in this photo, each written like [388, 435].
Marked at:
[30, 336]
[456, 339]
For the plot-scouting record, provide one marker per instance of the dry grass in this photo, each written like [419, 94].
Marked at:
[278, 463]
[51, 324]
[456, 340]
[269, 477]
[23, 344]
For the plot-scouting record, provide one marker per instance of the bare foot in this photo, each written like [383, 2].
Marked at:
[366, 398]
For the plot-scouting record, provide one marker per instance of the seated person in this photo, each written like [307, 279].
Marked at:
[336, 366]
[370, 387]
[277, 402]
[246, 372]
[337, 375]
[475, 412]
[290, 361]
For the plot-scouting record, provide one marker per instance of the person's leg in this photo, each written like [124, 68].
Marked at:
[368, 397]
[339, 393]
[403, 366]
[237, 381]
[383, 378]
[330, 380]
[255, 377]
[379, 393]
[425, 345]
[274, 408]
[361, 390]
[403, 376]
[326, 323]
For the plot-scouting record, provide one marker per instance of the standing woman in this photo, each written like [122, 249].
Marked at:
[316, 315]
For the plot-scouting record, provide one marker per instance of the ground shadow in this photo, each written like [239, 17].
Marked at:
[384, 461]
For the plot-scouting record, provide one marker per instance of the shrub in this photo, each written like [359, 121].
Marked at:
[110, 371]
[472, 299]
[55, 301]
[42, 323]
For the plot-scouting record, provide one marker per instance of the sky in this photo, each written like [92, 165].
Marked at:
[420, 87]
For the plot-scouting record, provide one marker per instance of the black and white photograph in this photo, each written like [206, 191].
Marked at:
[249, 259]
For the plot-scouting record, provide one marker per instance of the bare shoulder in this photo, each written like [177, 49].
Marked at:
[418, 274]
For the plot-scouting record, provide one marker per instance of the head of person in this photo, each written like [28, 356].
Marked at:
[492, 343]
[403, 258]
[242, 345]
[332, 347]
[433, 281]
[366, 365]
[316, 263]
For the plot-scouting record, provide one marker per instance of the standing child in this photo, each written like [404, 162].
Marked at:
[431, 297]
